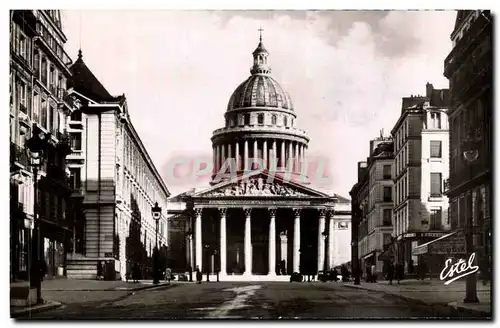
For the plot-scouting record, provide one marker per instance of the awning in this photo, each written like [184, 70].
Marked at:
[387, 255]
[442, 245]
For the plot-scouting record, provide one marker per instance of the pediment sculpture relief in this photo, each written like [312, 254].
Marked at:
[257, 187]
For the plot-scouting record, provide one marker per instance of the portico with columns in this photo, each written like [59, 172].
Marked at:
[250, 231]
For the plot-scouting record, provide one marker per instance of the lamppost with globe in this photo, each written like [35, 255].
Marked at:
[37, 146]
[324, 234]
[470, 154]
[156, 211]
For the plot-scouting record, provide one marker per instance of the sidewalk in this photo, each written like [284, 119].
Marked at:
[434, 292]
[57, 292]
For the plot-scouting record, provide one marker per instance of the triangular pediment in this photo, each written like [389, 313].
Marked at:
[260, 184]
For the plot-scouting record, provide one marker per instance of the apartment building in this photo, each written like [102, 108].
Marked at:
[420, 167]
[373, 194]
[39, 104]
[469, 68]
[117, 184]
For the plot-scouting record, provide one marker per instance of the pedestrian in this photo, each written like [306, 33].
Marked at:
[99, 271]
[199, 275]
[190, 270]
[168, 275]
[390, 272]
[135, 272]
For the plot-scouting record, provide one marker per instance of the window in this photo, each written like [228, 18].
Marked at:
[387, 239]
[36, 107]
[44, 71]
[76, 116]
[436, 219]
[260, 119]
[44, 113]
[75, 179]
[436, 149]
[246, 118]
[387, 194]
[21, 96]
[273, 120]
[76, 141]
[436, 182]
[387, 171]
[387, 221]
[285, 121]
[435, 120]
[50, 118]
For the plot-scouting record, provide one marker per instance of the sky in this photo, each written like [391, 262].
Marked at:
[346, 73]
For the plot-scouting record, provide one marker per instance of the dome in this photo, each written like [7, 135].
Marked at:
[260, 91]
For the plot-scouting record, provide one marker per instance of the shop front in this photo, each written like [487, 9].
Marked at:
[54, 241]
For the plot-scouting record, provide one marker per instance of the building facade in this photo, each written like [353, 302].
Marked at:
[469, 69]
[39, 104]
[117, 185]
[373, 194]
[259, 217]
[421, 166]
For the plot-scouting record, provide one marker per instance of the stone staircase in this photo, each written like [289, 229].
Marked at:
[81, 268]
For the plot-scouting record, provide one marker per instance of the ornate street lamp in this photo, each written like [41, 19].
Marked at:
[470, 153]
[189, 234]
[325, 238]
[36, 146]
[156, 210]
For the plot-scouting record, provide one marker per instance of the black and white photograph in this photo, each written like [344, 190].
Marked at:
[270, 164]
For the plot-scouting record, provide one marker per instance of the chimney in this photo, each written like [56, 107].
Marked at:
[428, 90]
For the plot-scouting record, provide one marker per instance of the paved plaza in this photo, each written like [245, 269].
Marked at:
[239, 300]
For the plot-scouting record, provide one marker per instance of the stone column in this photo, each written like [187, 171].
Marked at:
[297, 158]
[321, 243]
[296, 240]
[264, 155]
[199, 245]
[331, 238]
[245, 156]
[289, 160]
[282, 158]
[229, 153]
[214, 158]
[248, 241]
[237, 155]
[272, 241]
[223, 251]
[284, 248]
[191, 253]
[275, 155]
[223, 155]
[255, 152]
[218, 158]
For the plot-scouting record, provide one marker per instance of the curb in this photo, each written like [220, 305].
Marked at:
[453, 305]
[114, 289]
[48, 305]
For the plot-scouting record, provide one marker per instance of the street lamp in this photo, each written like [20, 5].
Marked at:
[207, 247]
[189, 234]
[36, 146]
[325, 237]
[156, 210]
[470, 154]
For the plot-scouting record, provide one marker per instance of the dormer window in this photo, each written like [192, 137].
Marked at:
[246, 118]
[273, 119]
[285, 121]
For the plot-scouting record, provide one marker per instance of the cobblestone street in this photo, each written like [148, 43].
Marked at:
[247, 300]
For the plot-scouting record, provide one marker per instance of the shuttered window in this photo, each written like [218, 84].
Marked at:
[436, 183]
[436, 149]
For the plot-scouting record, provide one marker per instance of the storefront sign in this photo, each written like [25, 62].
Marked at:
[452, 272]
[453, 245]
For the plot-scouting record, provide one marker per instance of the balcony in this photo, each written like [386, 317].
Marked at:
[466, 44]
[18, 156]
[446, 185]
[50, 43]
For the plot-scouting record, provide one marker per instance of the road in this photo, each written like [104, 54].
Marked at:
[229, 300]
